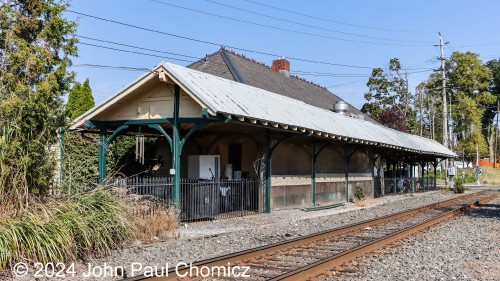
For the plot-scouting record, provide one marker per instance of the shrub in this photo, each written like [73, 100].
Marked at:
[91, 223]
[158, 225]
[154, 219]
[359, 193]
[459, 186]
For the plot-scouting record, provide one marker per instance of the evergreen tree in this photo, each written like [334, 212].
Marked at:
[80, 99]
[36, 43]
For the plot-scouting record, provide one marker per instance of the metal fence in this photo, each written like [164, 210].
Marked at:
[408, 185]
[202, 199]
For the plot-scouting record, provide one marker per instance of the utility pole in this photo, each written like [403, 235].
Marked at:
[445, 116]
[420, 103]
[496, 137]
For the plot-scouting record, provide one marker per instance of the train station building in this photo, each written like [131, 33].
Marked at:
[270, 139]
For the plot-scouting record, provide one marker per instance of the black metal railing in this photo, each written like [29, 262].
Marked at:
[408, 185]
[202, 199]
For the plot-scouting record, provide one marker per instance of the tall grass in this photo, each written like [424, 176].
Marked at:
[154, 220]
[91, 223]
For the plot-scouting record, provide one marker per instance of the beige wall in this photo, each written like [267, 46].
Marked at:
[155, 101]
[291, 158]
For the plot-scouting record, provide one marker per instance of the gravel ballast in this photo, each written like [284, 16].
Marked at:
[204, 240]
[465, 248]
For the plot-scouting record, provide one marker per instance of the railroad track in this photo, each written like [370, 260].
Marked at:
[318, 254]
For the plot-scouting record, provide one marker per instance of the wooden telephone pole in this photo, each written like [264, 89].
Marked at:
[445, 110]
[495, 150]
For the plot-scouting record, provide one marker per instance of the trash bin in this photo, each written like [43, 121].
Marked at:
[200, 201]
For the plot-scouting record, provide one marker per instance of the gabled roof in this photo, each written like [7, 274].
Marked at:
[238, 100]
[250, 104]
[229, 65]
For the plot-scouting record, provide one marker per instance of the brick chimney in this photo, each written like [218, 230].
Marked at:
[282, 65]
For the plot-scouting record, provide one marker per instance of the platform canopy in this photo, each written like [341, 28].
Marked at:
[213, 96]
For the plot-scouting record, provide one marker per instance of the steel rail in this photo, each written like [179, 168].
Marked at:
[239, 258]
[321, 267]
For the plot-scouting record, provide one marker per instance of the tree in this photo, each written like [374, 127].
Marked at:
[469, 82]
[487, 121]
[393, 118]
[80, 100]
[80, 161]
[430, 106]
[388, 91]
[36, 43]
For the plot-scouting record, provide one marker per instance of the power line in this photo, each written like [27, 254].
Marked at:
[347, 83]
[308, 25]
[334, 21]
[215, 44]
[479, 45]
[306, 73]
[280, 28]
[127, 68]
[325, 74]
[298, 72]
[136, 47]
[132, 52]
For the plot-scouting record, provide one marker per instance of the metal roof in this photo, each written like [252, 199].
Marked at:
[230, 65]
[258, 105]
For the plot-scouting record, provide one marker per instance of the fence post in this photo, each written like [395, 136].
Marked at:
[242, 184]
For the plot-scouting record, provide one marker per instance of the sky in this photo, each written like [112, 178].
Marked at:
[333, 43]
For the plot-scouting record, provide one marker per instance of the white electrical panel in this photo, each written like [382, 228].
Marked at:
[204, 166]
[452, 172]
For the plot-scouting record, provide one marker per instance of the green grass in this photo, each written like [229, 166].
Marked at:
[91, 223]
[489, 176]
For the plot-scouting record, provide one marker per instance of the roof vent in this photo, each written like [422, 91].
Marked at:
[359, 116]
[341, 107]
[282, 65]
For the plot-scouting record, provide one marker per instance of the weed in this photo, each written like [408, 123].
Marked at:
[359, 193]
[459, 186]
[155, 219]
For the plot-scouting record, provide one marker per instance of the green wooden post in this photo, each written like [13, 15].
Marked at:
[176, 145]
[428, 182]
[61, 156]
[435, 174]
[102, 150]
[346, 173]
[374, 159]
[394, 169]
[268, 172]
[313, 172]
[411, 178]
[422, 181]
